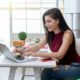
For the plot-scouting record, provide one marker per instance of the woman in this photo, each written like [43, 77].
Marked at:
[61, 41]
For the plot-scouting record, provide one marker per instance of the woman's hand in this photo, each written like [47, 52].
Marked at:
[28, 54]
[13, 49]
[18, 50]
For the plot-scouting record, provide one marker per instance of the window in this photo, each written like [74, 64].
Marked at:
[4, 22]
[4, 3]
[27, 14]
[23, 15]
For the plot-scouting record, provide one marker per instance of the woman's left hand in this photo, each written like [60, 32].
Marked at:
[28, 54]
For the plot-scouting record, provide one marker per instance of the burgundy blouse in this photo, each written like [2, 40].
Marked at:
[71, 55]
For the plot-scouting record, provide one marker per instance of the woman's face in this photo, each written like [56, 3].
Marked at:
[51, 24]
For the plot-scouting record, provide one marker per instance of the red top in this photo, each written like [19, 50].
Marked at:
[71, 55]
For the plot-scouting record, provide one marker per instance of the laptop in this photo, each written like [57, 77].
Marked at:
[9, 55]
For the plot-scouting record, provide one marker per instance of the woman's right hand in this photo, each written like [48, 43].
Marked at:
[20, 50]
[17, 50]
[13, 49]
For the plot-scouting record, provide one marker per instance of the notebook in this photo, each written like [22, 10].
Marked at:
[9, 55]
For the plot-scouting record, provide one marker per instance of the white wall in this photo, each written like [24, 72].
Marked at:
[72, 15]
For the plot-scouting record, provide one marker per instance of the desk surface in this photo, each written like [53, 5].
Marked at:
[7, 63]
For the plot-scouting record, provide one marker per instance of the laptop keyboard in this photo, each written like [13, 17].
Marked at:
[19, 57]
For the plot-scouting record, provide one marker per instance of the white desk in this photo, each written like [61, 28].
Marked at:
[36, 65]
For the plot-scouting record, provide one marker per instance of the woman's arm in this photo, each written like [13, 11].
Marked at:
[37, 46]
[67, 40]
[33, 48]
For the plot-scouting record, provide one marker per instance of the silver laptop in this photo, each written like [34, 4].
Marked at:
[9, 55]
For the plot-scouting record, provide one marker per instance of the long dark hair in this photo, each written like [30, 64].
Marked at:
[54, 13]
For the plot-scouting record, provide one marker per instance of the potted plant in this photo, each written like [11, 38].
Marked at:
[22, 36]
